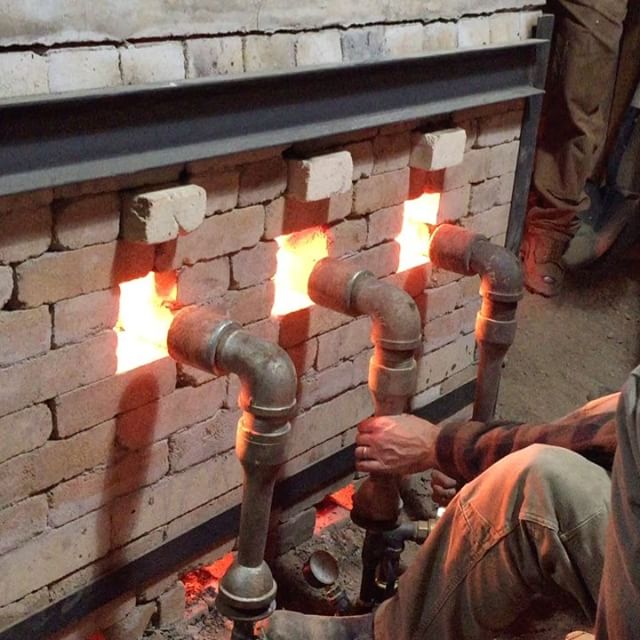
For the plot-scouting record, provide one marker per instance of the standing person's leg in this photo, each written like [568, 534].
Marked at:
[573, 132]
[533, 522]
[619, 605]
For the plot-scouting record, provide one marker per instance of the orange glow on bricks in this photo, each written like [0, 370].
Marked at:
[144, 319]
[415, 234]
[297, 255]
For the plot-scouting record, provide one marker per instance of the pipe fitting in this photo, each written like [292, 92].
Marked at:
[201, 338]
[396, 333]
[332, 282]
[243, 591]
[456, 249]
[340, 286]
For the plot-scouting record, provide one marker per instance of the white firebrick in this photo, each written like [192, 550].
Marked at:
[320, 177]
[438, 149]
[157, 216]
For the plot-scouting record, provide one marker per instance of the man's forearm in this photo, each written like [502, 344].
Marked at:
[464, 450]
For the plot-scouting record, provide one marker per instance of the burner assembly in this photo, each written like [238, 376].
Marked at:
[200, 338]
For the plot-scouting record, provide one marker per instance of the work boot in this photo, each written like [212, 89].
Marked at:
[542, 247]
[289, 625]
[589, 244]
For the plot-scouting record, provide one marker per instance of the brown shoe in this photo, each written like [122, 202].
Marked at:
[289, 625]
[541, 252]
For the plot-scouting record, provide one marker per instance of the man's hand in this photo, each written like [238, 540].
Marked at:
[444, 488]
[398, 445]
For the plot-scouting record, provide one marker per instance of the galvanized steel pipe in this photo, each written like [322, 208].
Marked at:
[201, 338]
[456, 249]
[396, 333]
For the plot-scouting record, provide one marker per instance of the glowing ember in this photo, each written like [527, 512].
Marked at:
[144, 319]
[344, 497]
[297, 255]
[334, 508]
[415, 234]
[219, 567]
[205, 578]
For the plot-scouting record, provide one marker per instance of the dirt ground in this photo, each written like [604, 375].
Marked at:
[568, 350]
[575, 347]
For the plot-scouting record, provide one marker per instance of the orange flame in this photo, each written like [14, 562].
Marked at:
[415, 234]
[297, 255]
[144, 319]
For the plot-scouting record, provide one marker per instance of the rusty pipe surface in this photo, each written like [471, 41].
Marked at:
[396, 333]
[201, 338]
[456, 249]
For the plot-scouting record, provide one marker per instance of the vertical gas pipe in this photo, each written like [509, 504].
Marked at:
[199, 337]
[396, 333]
[458, 250]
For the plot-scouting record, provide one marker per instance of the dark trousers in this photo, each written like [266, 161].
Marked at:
[580, 85]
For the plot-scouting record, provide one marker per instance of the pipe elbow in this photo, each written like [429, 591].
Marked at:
[396, 319]
[267, 374]
[202, 338]
[499, 270]
[456, 249]
[344, 287]
[331, 284]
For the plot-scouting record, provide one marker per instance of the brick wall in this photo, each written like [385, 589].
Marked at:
[114, 45]
[118, 20]
[98, 468]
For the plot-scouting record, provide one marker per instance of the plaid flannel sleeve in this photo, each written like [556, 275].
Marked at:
[466, 449]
